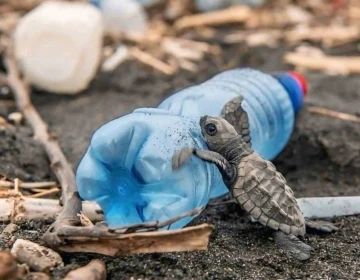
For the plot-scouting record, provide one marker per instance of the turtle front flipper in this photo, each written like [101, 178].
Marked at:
[181, 157]
[238, 118]
[292, 246]
[321, 226]
[226, 169]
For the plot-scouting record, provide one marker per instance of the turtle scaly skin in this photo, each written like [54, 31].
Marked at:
[263, 193]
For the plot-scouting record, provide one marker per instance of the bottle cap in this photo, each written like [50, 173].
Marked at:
[296, 86]
[301, 80]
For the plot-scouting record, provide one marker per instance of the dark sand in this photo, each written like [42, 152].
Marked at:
[322, 159]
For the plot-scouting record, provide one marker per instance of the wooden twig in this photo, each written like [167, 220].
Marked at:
[149, 226]
[85, 221]
[328, 35]
[235, 14]
[152, 61]
[27, 209]
[16, 185]
[23, 185]
[330, 64]
[333, 114]
[59, 164]
[94, 270]
[44, 193]
[99, 240]
[197, 45]
[176, 49]
[267, 37]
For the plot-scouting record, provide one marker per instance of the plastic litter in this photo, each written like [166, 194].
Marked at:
[54, 55]
[127, 168]
[212, 5]
[126, 16]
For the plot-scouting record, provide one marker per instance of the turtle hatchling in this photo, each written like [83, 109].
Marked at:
[253, 181]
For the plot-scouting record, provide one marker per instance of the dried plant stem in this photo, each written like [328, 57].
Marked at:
[98, 240]
[29, 186]
[329, 35]
[236, 14]
[156, 225]
[44, 193]
[152, 61]
[340, 64]
[26, 209]
[59, 164]
[333, 114]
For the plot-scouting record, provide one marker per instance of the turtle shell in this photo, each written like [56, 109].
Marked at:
[264, 194]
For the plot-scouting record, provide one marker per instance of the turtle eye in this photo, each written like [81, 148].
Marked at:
[211, 129]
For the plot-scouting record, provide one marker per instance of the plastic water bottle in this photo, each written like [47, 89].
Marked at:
[127, 168]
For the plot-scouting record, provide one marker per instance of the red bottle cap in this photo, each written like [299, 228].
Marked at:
[301, 80]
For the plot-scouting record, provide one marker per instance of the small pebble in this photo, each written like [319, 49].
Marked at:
[38, 258]
[16, 118]
[8, 266]
[10, 229]
[37, 276]
[5, 92]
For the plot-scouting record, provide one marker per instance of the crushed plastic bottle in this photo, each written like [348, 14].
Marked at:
[127, 168]
[54, 55]
[123, 16]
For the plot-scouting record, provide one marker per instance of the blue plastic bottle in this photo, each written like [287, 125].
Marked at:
[127, 168]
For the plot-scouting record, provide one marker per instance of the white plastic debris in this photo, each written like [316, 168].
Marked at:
[16, 118]
[58, 45]
[119, 56]
[126, 16]
[212, 5]
[328, 207]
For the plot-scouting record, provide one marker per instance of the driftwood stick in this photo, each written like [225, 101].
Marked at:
[59, 164]
[333, 114]
[157, 225]
[44, 193]
[22, 185]
[236, 14]
[339, 64]
[27, 209]
[95, 270]
[118, 244]
[328, 35]
[152, 61]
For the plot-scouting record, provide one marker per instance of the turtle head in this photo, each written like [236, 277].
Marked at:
[217, 132]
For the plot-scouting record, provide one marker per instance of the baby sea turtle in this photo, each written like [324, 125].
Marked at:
[253, 181]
